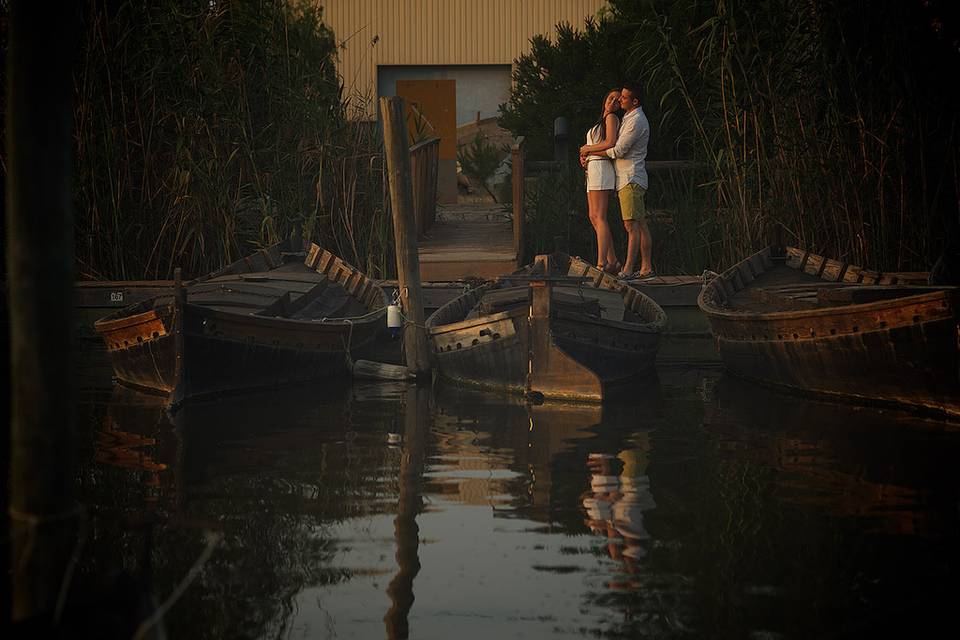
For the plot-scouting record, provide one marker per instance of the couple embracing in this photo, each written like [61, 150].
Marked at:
[615, 160]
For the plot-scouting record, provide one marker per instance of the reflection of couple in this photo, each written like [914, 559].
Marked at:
[615, 504]
[615, 159]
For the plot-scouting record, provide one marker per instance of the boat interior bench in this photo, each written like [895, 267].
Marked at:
[277, 294]
[826, 294]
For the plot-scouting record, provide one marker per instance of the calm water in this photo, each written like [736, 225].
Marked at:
[705, 508]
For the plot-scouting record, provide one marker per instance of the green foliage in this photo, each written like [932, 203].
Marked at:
[567, 77]
[479, 160]
[204, 129]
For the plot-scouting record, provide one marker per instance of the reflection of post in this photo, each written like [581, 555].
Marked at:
[40, 279]
[406, 532]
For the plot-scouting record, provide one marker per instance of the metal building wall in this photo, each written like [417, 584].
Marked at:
[439, 32]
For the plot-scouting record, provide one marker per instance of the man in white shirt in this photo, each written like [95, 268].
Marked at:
[629, 159]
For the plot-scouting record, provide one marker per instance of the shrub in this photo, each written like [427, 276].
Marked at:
[479, 160]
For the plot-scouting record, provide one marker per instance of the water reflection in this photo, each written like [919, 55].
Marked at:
[416, 427]
[693, 510]
[615, 504]
[877, 466]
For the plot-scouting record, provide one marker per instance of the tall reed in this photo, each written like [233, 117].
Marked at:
[821, 123]
[810, 133]
[206, 129]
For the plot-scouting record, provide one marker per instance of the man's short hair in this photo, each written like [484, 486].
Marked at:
[635, 88]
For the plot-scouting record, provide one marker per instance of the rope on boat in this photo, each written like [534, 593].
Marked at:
[397, 300]
[706, 277]
[349, 343]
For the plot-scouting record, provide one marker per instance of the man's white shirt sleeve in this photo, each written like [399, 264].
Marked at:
[625, 140]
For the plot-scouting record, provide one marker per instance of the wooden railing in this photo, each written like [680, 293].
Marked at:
[518, 184]
[424, 163]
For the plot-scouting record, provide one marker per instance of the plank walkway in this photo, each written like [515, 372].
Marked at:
[468, 240]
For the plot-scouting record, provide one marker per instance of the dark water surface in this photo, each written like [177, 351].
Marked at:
[704, 507]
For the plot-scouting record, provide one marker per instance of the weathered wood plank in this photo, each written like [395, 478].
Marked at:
[795, 257]
[833, 270]
[469, 241]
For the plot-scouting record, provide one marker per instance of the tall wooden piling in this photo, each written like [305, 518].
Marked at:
[516, 154]
[42, 509]
[415, 345]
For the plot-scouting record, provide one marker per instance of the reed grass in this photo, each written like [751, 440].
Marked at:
[810, 132]
[207, 129]
[822, 124]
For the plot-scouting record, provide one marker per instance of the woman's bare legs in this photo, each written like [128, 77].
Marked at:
[597, 202]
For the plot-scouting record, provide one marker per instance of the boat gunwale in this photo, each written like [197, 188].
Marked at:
[431, 322]
[258, 319]
[706, 302]
[106, 325]
[639, 304]
[658, 324]
[476, 322]
[109, 323]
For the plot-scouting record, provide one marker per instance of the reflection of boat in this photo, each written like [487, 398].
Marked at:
[271, 472]
[849, 460]
[271, 318]
[498, 449]
[131, 431]
[561, 328]
[136, 453]
[802, 321]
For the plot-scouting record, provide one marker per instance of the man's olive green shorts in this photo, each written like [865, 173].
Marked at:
[632, 205]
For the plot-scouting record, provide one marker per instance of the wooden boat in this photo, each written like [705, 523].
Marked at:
[561, 329]
[282, 315]
[794, 319]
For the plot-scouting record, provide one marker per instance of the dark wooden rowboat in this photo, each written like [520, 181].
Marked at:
[794, 319]
[280, 316]
[561, 329]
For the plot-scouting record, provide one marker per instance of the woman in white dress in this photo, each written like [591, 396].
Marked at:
[601, 179]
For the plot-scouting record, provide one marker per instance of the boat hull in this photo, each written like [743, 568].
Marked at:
[188, 351]
[566, 368]
[908, 365]
[545, 350]
[898, 351]
[143, 350]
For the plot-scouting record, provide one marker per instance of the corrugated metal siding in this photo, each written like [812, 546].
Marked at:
[441, 32]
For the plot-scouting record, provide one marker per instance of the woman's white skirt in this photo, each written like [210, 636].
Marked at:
[600, 175]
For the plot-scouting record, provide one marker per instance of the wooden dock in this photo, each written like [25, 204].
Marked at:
[468, 240]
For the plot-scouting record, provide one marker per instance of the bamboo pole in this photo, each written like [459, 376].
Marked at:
[415, 345]
[43, 513]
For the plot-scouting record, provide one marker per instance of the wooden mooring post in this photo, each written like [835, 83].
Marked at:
[44, 517]
[415, 345]
[516, 154]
